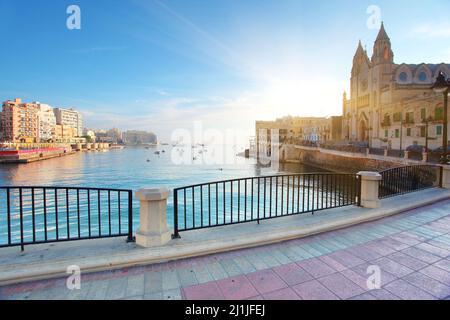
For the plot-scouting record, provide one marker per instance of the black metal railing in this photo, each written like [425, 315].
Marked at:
[408, 179]
[259, 198]
[34, 215]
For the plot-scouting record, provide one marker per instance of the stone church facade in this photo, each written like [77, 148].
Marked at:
[392, 105]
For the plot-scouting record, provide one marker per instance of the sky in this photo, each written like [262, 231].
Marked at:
[162, 65]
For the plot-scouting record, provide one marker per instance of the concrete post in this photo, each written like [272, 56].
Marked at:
[406, 154]
[424, 156]
[385, 152]
[370, 182]
[153, 230]
[446, 177]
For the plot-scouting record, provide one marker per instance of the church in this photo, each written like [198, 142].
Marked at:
[392, 105]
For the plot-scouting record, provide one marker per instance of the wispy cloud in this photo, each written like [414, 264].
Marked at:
[431, 30]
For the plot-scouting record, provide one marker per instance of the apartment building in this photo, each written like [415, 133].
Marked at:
[20, 121]
[47, 122]
[69, 118]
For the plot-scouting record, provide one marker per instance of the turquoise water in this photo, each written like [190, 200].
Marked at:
[131, 168]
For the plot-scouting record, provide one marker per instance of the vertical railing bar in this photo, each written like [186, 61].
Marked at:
[217, 203]
[282, 195]
[130, 216]
[21, 219]
[224, 203]
[231, 200]
[67, 214]
[193, 207]
[89, 212]
[259, 186]
[239, 200]
[45, 214]
[185, 205]
[276, 196]
[245, 199]
[56, 214]
[270, 198]
[99, 214]
[201, 205]
[175, 214]
[8, 212]
[287, 196]
[265, 194]
[78, 210]
[119, 211]
[33, 212]
[109, 212]
[252, 198]
[209, 204]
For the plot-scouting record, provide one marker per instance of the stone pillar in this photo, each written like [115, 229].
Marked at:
[406, 154]
[367, 151]
[153, 230]
[424, 156]
[385, 152]
[88, 146]
[95, 146]
[446, 176]
[79, 147]
[369, 189]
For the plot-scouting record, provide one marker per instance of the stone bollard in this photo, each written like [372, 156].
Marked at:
[385, 152]
[153, 230]
[406, 154]
[370, 182]
[446, 177]
[424, 156]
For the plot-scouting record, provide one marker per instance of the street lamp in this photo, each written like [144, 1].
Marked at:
[442, 85]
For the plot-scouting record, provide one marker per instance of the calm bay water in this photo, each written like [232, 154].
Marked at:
[131, 168]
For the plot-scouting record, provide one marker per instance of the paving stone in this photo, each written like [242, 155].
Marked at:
[244, 265]
[382, 294]
[392, 267]
[266, 281]
[257, 262]
[443, 253]
[437, 274]
[292, 274]
[205, 291]
[341, 286]
[152, 282]
[135, 285]
[408, 261]
[153, 296]
[116, 288]
[364, 253]
[237, 288]
[443, 264]
[407, 291]
[172, 294]
[282, 294]
[186, 277]
[420, 254]
[316, 268]
[202, 274]
[428, 284]
[170, 280]
[314, 290]
[97, 290]
[346, 259]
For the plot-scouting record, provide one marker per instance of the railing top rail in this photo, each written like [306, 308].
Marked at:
[412, 165]
[65, 188]
[265, 177]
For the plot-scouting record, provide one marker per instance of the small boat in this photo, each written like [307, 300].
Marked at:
[148, 160]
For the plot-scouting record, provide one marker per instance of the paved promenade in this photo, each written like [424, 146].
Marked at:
[411, 249]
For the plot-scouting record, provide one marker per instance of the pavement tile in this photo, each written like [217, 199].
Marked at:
[205, 291]
[97, 290]
[428, 284]
[443, 264]
[237, 288]
[282, 294]
[316, 268]
[172, 294]
[170, 280]
[152, 282]
[420, 254]
[437, 274]
[266, 281]
[407, 291]
[346, 259]
[363, 271]
[216, 270]
[440, 252]
[408, 261]
[116, 288]
[380, 248]
[364, 253]
[364, 296]
[292, 274]
[187, 277]
[392, 267]
[244, 265]
[335, 265]
[314, 290]
[341, 286]
[135, 285]
[382, 294]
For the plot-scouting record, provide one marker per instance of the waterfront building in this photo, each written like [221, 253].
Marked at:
[392, 105]
[47, 122]
[20, 121]
[69, 118]
[65, 134]
[134, 137]
[89, 134]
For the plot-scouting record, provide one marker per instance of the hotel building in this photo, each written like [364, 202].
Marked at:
[20, 121]
[69, 118]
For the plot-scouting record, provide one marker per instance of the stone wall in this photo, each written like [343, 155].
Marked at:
[339, 161]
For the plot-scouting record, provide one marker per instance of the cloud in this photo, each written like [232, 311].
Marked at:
[431, 30]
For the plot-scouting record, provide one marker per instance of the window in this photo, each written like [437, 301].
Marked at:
[439, 113]
[422, 132]
[408, 132]
[403, 77]
[422, 77]
[439, 130]
[410, 117]
[386, 133]
[397, 117]
[423, 113]
[397, 133]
